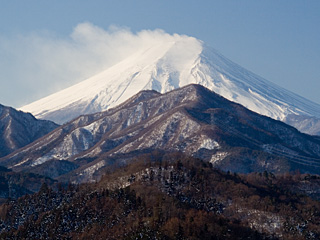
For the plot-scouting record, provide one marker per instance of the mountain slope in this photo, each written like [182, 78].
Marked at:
[17, 129]
[191, 119]
[167, 66]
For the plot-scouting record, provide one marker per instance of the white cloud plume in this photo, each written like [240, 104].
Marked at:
[37, 64]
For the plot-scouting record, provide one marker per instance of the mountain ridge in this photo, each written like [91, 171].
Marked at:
[191, 119]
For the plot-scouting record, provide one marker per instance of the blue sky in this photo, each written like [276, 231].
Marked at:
[278, 40]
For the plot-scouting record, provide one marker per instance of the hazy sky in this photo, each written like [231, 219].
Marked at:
[49, 45]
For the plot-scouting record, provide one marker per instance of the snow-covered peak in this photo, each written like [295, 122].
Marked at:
[254, 92]
[170, 63]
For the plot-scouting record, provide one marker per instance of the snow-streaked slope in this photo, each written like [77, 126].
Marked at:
[191, 119]
[167, 65]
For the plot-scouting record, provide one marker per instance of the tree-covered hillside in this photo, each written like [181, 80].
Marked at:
[167, 197]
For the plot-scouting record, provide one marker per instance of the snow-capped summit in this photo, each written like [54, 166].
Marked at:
[169, 64]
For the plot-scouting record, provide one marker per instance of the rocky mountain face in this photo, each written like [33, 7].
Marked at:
[17, 129]
[171, 64]
[192, 119]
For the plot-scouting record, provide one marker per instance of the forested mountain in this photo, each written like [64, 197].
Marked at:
[169, 197]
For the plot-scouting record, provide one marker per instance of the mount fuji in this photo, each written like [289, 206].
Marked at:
[173, 63]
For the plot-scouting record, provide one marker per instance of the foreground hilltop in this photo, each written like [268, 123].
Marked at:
[169, 197]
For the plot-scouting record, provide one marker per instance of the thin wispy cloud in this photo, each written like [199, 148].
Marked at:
[40, 63]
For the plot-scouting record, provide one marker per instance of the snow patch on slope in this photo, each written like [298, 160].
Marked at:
[219, 156]
[209, 144]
